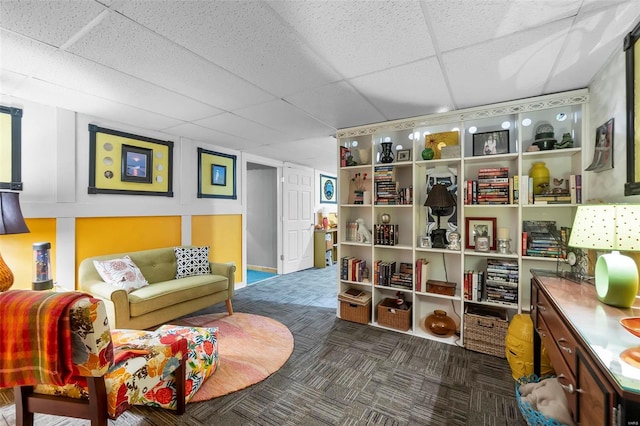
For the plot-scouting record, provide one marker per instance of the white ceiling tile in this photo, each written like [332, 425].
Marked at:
[286, 118]
[359, 37]
[249, 41]
[319, 153]
[58, 96]
[508, 68]
[210, 136]
[51, 22]
[337, 105]
[122, 45]
[81, 75]
[407, 91]
[234, 125]
[459, 23]
[583, 54]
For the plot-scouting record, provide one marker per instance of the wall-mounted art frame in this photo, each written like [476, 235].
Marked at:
[124, 163]
[216, 175]
[328, 193]
[10, 148]
[603, 150]
[480, 227]
[404, 155]
[491, 143]
[632, 51]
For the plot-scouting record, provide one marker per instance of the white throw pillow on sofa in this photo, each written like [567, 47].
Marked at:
[121, 273]
[192, 261]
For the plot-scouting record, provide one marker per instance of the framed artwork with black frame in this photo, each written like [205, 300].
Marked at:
[404, 155]
[10, 148]
[216, 174]
[128, 164]
[136, 164]
[491, 143]
[632, 51]
[328, 193]
[480, 227]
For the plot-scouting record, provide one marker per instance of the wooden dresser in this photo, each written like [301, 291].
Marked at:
[584, 341]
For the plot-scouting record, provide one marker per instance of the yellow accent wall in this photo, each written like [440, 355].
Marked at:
[106, 235]
[17, 251]
[223, 234]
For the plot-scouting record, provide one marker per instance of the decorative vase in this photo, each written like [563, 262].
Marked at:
[385, 218]
[440, 324]
[428, 154]
[387, 154]
[540, 175]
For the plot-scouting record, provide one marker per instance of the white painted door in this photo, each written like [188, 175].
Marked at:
[298, 219]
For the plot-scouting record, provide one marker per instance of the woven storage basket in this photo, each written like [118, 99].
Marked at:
[354, 312]
[485, 330]
[532, 416]
[390, 316]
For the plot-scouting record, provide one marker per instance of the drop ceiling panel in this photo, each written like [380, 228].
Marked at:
[209, 136]
[461, 23]
[318, 153]
[407, 91]
[352, 34]
[511, 67]
[337, 105]
[249, 41]
[234, 125]
[122, 45]
[286, 118]
[582, 56]
[51, 22]
[50, 94]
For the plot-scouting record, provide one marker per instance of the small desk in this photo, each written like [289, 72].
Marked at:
[584, 341]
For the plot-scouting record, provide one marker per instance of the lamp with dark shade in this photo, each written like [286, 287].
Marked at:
[440, 200]
[11, 222]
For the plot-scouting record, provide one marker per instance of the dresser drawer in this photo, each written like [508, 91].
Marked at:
[595, 395]
[565, 375]
[562, 338]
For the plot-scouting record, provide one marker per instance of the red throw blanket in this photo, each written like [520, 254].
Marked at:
[35, 337]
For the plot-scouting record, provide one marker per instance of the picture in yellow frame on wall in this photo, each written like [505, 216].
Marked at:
[216, 175]
[123, 163]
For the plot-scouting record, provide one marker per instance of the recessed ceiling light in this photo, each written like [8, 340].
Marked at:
[473, 129]
[354, 143]
[561, 117]
[398, 147]
[526, 122]
[506, 124]
[455, 129]
[426, 133]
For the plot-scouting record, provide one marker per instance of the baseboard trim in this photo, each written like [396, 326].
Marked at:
[262, 269]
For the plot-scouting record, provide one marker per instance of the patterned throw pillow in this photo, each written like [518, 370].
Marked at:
[192, 261]
[121, 273]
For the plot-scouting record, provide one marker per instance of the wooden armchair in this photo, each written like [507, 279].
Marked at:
[102, 380]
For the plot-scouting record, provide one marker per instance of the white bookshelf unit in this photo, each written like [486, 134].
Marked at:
[564, 111]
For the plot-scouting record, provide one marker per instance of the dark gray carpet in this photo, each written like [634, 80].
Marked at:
[341, 373]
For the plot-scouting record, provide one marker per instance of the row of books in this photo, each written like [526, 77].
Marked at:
[351, 232]
[477, 288]
[541, 238]
[571, 193]
[422, 274]
[385, 234]
[501, 284]
[353, 269]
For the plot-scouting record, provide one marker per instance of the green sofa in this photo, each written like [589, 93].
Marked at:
[165, 298]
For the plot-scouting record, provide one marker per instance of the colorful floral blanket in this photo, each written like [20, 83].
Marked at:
[35, 346]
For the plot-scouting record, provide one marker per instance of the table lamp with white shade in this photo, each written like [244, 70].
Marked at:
[614, 227]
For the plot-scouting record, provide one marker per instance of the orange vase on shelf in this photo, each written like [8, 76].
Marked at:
[440, 324]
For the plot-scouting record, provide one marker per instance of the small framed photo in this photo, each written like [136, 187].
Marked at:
[136, 164]
[424, 241]
[218, 175]
[480, 227]
[482, 244]
[491, 143]
[404, 155]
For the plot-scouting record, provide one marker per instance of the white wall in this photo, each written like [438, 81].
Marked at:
[608, 100]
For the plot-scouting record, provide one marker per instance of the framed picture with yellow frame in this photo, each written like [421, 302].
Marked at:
[216, 175]
[10, 148]
[123, 163]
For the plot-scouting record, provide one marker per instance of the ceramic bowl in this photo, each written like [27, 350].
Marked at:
[632, 325]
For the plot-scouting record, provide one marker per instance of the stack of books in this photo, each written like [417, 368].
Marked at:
[493, 186]
[473, 285]
[386, 234]
[501, 283]
[539, 238]
[386, 186]
[382, 272]
[351, 268]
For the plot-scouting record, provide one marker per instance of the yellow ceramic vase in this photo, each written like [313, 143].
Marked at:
[540, 175]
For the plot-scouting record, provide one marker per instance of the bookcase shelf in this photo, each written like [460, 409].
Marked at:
[454, 166]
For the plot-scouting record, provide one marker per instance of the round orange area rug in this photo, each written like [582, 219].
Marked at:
[251, 348]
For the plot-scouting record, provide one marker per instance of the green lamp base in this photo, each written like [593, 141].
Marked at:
[616, 280]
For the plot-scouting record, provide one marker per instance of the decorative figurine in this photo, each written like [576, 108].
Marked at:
[566, 142]
[364, 235]
[454, 241]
